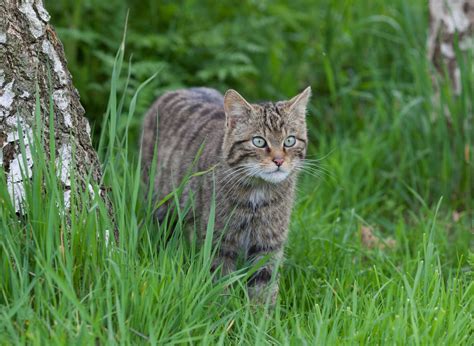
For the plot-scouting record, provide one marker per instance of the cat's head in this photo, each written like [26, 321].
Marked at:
[265, 140]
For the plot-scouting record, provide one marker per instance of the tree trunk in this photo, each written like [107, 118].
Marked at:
[30, 51]
[450, 19]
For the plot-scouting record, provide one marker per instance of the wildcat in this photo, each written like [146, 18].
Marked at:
[255, 150]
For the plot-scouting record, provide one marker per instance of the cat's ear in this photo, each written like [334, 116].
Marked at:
[298, 104]
[235, 107]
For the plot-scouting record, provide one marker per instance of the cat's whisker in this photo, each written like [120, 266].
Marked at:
[317, 165]
[314, 164]
[319, 168]
[231, 170]
[231, 181]
[236, 183]
[230, 176]
[321, 158]
[315, 174]
[316, 168]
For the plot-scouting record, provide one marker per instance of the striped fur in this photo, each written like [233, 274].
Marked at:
[254, 196]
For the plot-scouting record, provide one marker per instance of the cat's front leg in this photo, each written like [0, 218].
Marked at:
[263, 284]
[225, 259]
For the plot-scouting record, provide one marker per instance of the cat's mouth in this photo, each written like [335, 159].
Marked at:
[276, 176]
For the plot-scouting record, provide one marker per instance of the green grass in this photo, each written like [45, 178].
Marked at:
[394, 162]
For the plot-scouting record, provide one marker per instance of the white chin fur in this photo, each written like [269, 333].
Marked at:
[274, 177]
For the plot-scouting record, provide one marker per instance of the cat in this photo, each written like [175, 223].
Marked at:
[253, 152]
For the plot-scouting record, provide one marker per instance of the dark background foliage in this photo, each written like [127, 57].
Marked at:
[366, 62]
[266, 49]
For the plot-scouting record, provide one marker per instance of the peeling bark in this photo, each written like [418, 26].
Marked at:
[28, 48]
[450, 19]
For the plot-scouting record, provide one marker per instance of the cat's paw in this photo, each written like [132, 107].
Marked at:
[261, 293]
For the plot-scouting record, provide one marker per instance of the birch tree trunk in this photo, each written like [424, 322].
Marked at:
[29, 50]
[450, 19]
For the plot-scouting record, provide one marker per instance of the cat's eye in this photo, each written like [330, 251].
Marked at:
[259, 142]
[290, 141]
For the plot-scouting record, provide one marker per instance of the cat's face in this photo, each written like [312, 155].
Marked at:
[266, 140]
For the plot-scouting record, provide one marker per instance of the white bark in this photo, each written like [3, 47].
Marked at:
[28, 45]
[448, 19]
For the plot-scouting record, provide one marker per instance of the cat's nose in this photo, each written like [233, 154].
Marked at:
[278, 161]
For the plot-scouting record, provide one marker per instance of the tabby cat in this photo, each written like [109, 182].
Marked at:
[254, 152]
